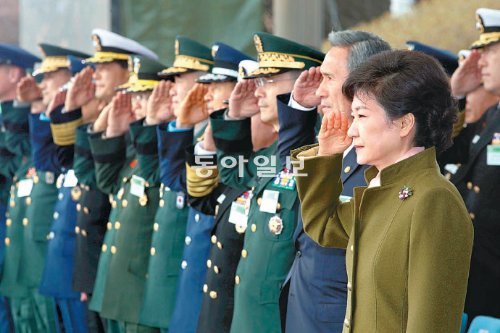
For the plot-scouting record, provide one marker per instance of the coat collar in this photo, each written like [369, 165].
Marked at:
[393, 173]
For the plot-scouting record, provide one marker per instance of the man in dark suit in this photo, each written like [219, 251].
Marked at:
[477, 148]
[317, 282]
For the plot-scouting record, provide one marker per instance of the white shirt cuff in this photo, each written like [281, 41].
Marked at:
[295, 105]
[199, 150]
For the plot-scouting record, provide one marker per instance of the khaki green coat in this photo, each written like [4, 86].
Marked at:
[407, 260]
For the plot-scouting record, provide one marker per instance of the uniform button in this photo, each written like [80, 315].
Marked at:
[476, 189]
[213, 239]
[352, 248]
[124, 203]
[109, 225]
[8, 222]
[78, 207]
[84, 233]
[253, 227]
[209, 263]
[117, 225]
[213, 294]
[104, 248]
[197, 218]
[244, 253]
[469, 185]
[184, 264]
[124, 179]
[7, 241]
[347, 323]
[12, 203]
[237, 279]
[25, 221]
[152, 251]
[114, 204]
[299, 254]
[77, 230]
[219, 245]
[60, 196]
[162, 203]
[187, 240]
[51, 235]
[156, 226]
[205, 288]
[216, 270]
[349, 286]
[259, 201]
[28, 201]
[347, 169]
[113, 249]
[86, 211]
[472, 215]
[56, 215]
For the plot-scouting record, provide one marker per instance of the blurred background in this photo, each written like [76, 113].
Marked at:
[447, 24]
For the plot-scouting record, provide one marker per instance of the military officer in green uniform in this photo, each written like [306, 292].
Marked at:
[138, 195]
[30, 310]
[229, 228]
[268, 250]
[192, 60]
[14, 157]
[95, 229]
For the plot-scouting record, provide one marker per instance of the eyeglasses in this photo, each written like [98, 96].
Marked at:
[141, 96]
[261, 82]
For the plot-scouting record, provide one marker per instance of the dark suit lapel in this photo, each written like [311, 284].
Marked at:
[493, 125]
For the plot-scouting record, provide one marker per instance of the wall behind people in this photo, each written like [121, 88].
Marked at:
[156, 23]
[66, 23]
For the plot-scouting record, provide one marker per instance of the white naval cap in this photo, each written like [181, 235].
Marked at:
[110, 46]
[246, 67]
[488, 24]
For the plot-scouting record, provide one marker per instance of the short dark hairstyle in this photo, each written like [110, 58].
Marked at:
[405, 82]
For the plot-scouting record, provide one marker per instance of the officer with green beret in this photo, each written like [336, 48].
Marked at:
[268, 250]
[138, 195]
[14, 160]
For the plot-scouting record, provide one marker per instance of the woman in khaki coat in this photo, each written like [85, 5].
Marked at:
[408, 234]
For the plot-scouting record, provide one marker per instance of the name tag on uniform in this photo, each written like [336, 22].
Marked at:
[24, 188]
[137, 186]
[269, 201]
[238, 215]
[70, 179]
[493, 155]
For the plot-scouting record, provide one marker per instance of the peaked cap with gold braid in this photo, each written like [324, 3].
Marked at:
[189, 56]
[143, 74]
[278, 55]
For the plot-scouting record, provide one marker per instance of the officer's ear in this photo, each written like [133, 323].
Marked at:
[15, 74]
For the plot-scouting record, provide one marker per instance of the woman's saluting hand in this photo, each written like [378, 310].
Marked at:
[332, 137]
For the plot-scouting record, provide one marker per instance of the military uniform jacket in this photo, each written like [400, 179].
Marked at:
[111, 178]
[408, 242]
[268, 246]
[129, 261]
[93, 206]
[169, 229]
[57, 275]
[42, 200]
[14, 155]
[197, 243]
[478, 183]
